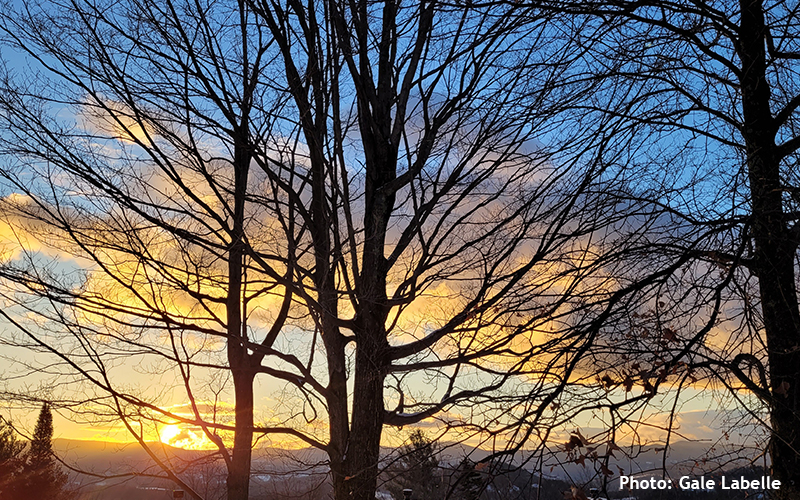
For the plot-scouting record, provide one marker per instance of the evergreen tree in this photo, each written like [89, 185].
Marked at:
[417, 468]
[11, 459]
[41, 475]
[468, 481]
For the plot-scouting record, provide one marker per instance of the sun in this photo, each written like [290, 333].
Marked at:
[169, 433]
[180, 436]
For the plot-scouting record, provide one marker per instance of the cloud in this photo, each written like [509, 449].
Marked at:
[23, 230]
[115, 120]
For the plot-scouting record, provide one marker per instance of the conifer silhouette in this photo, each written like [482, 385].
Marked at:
[11, 459]
[42, 477]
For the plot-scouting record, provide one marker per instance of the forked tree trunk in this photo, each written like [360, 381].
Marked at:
[365, 438]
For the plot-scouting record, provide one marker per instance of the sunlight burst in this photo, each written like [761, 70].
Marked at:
[189, 439]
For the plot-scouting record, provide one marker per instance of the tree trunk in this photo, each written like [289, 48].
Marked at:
[336, 399]
[774, 253]
[238, 481]
[365, 439]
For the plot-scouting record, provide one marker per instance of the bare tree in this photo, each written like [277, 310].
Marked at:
[392, 213]
[144, 180]
[710, 92]
[446, 152]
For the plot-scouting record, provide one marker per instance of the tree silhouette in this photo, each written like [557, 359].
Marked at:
[711, 92]
[41, 475]
[417, 468]
[469, 480]
[11, 460]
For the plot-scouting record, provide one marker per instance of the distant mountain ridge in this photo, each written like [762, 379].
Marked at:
[99, 456]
